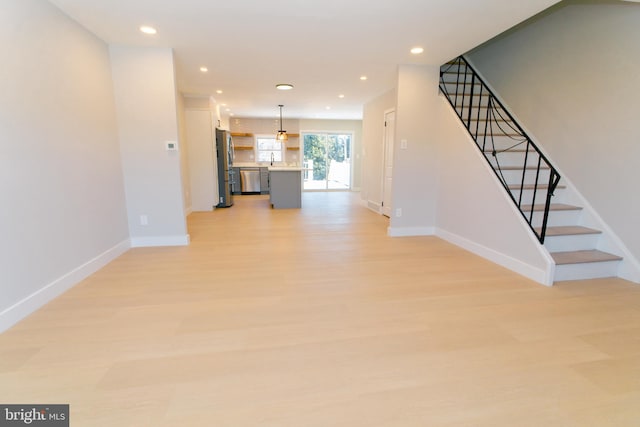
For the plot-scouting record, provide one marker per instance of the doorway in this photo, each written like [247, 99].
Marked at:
[326, 160]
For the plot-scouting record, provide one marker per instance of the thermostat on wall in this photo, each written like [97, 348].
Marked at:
[172, 146]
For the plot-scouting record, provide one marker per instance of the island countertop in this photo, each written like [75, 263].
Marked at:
[284, 169]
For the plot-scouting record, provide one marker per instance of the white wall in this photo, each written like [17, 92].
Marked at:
[372, 147]
[184, 155]
[352, 126]
[415, 168]
[473, 209]
[62, 213]
[144, 87]
[572, 78]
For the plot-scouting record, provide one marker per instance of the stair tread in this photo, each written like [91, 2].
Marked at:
[461, 83]
[581, 257]
[552, 207]
[532, 186]
[467, 94]
[492, 120]
[570, 230]
[513, 150]
[519, 168]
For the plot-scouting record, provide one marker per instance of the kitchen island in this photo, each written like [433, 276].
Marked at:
[285, 184]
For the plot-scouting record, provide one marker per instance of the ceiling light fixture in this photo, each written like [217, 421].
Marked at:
[204, 69]
[341, 96]
[417, 50]
[218, 91]
[148, 30]
[363, 78]
[284, 86]
[282, 134]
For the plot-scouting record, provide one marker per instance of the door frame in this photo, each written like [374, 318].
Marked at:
[388, 142]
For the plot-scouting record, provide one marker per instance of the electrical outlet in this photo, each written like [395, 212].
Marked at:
[398, 212]
[144, 220]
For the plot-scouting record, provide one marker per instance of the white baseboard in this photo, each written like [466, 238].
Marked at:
[144, 242]
[374, 206]
[18, 311]
[536, 274]
[410, 231]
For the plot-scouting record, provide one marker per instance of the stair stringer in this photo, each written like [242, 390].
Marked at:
[470, 232]
[608, 241]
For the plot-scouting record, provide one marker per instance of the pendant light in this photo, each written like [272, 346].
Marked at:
[282, 134]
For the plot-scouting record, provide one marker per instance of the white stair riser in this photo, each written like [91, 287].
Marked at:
[577, 242]
[527, 197]
[511, 159]
[592, 270]
[464, 101]
[556, 218]
[515, 176]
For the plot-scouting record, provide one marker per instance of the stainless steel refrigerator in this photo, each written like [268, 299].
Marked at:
[226, 178]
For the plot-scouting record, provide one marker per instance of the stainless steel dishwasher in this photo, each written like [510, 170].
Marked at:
[250, 180]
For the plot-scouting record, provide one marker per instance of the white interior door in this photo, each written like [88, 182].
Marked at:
[387, 185]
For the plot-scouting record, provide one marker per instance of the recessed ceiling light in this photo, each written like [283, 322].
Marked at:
[327, 107]
[204, 69]
[148, 30]
[284, 86]
[232, 114]
[363, 78]
[218, 91]
[223, 105]
[417, 50]
[341, 96]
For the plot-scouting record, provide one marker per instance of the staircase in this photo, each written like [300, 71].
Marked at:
[527, 176]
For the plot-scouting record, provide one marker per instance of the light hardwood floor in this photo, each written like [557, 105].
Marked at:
[314, 317]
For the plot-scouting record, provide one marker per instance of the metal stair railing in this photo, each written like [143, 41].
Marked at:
[489, 122]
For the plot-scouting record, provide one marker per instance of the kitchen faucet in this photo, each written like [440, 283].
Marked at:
[272, 158]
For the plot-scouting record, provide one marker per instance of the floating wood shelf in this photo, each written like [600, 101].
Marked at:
[293, 135]
[293, 148]
[241, 134]
[242, 147]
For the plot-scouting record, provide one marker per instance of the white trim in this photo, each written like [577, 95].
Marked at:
[544, 277]
[410, 231]
[188, 211]
[383, 166]
[21, 309]
[144, 242]
[372, 206]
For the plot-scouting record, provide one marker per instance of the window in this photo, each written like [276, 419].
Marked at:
[268, 148]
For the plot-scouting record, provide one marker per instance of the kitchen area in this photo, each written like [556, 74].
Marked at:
[257, 164]
[264, 165]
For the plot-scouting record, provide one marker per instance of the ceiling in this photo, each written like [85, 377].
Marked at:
[321, 47]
